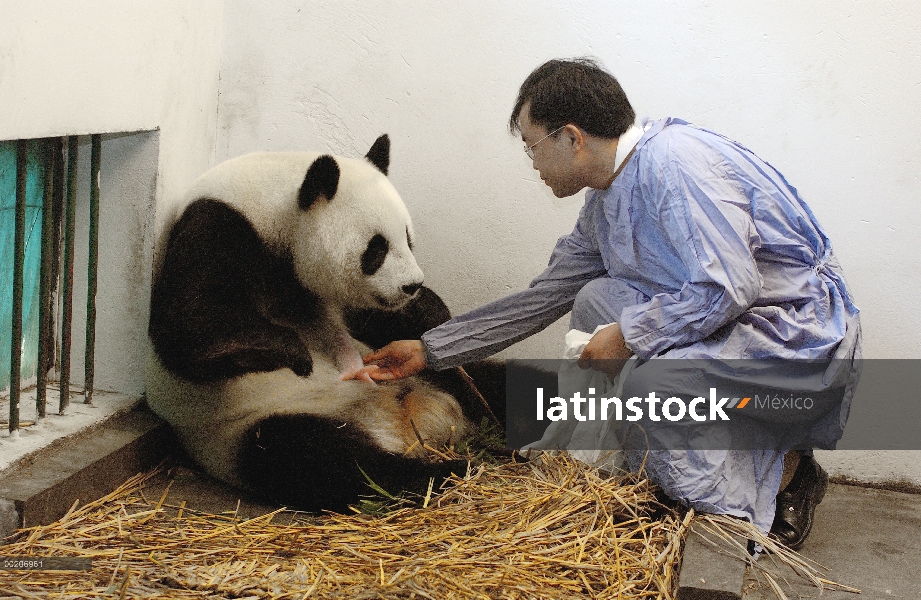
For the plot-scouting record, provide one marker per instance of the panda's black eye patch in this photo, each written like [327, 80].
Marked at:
[374, 254]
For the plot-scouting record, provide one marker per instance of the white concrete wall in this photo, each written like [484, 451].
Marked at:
[829, 92]
[105, 66]
[127, 204]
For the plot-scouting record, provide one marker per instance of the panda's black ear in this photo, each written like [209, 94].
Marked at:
[322, 179]
[379, 154]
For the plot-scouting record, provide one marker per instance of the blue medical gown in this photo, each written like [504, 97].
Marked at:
[723, 260]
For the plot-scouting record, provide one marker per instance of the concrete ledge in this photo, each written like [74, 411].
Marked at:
[690, 593]
[708, 573]
[41, 488]
[38, 434]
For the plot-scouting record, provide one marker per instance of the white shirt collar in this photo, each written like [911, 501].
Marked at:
[627, 141]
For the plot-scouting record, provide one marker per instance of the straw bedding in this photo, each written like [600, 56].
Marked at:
[550, 528]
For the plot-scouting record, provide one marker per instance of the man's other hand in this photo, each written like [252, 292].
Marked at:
[606, 351]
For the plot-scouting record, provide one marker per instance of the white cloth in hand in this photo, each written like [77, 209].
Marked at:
[593, 442]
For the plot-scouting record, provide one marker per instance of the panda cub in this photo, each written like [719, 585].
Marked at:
[276, 266]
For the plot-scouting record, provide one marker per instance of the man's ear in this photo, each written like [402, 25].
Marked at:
[575, 135]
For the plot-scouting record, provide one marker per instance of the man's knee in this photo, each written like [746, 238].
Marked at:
[600, 301]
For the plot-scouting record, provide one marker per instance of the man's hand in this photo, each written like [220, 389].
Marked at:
[396, 360]
[606, 351]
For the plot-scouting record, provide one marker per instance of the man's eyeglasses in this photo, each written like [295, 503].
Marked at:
[529, 150]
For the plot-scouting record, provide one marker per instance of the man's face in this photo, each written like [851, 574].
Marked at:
[554, 157]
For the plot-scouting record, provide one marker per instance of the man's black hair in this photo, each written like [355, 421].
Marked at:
[578, 91]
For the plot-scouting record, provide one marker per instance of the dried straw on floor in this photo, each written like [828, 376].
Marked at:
[552, 528]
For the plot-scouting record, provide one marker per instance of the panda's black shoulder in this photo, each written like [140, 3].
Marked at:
[222, 302]
[207, 221]
[215, 240]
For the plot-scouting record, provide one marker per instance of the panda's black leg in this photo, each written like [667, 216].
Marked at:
[312, 463]
[266, 348]
[491, 380]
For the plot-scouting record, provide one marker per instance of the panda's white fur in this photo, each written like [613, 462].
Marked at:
[218, 419]
[210, 419]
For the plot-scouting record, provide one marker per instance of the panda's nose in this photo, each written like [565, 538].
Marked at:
[411, 288]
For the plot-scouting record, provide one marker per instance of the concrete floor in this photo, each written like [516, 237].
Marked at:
[868, 539]
[202, 493]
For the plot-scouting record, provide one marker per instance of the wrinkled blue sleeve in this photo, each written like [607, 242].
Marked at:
[492, 327]
[705, 222]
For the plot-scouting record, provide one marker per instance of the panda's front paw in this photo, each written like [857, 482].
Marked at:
[302, 365]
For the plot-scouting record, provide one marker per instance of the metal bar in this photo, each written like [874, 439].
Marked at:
[67, 285]
[95, 160]
[57, 217]
[19, 259]
[44, 290]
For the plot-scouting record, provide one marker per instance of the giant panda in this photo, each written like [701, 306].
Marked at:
[277, 268]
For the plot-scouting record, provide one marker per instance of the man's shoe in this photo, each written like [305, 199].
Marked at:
[796, 503]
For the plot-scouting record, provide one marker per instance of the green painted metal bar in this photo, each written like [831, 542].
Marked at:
[67, 291]
[57, 217]
[92, 273]
[19, 259]
[44, 293]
